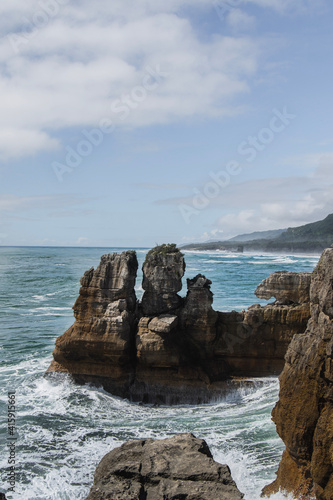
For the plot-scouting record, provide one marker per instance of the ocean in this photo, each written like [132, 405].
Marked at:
[59, 431]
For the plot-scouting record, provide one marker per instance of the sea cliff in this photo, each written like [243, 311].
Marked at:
[304, 412]
[172, 349]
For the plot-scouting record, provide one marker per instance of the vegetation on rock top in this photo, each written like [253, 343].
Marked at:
[164, 249]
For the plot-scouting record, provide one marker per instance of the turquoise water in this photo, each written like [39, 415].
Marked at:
[62, 430]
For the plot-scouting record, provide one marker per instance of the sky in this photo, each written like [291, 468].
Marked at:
[130, 124]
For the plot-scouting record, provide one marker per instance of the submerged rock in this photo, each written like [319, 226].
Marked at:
[181, 467]
[168, 349]
[304, 412]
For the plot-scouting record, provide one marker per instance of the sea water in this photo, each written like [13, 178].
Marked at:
[60, 431]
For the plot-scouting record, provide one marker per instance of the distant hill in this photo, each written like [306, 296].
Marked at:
[310, 238]
[262, 235]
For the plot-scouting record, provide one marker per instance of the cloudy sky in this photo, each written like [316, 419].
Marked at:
[130, 123]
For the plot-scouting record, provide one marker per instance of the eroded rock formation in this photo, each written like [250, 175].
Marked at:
[304, 412]
[169, 349]
[287, 288]
[163, 270]
[99, 346]
[173, 468]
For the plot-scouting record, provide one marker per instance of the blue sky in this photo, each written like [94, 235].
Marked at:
[134, 123]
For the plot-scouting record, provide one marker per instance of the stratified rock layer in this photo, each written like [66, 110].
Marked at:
[287, 288]
[99, 346]
[169, 349]
[304, 412]
[163, 270]
[181, 467]
[254, 342]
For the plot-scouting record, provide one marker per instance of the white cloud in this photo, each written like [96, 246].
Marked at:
[10, 203]
[17, 142]
[285, 6]
[89, 55]
[310, 161]
[239, 20]
[294, 210]
[82, 240]
[277, 215]
[263, 204]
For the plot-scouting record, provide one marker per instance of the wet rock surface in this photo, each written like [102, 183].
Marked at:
[181, 467]
[168, 349]
[304, 412]
[99, 345]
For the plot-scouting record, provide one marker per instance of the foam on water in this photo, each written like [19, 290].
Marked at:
[64, 430]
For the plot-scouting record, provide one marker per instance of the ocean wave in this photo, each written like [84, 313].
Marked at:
[65, 429]
[51, 310]
[40, 298]
[212, 261]
[285, 260]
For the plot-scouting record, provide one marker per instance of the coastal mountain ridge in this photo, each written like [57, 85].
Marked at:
[312, 237]
[263, 235]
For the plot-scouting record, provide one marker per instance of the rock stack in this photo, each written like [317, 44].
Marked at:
[169, 349]
[98, 348]
[163, 270]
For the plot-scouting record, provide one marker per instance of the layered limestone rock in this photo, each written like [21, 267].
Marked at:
[304, 412]
[254, 342]
[197, 317]
[99, 346]
[173, 468]
[287, 288]
[172, 349]
[168, 349]
[163, 270]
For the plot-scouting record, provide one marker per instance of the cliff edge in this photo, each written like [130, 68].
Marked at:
[304, 412]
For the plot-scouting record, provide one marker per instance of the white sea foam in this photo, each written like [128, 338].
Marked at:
[39, 297]
[51, 311]
[285, 260]
[212, 261]
[67, 460]
[65, 429]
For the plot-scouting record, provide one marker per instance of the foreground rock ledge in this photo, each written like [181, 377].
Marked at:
[181, 467]
[304, 412]
[168, 349]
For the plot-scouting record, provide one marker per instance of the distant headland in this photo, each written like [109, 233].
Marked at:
[310, 238]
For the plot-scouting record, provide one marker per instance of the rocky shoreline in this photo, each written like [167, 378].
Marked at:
[181, 467]
[304, 412]
[167, 349]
